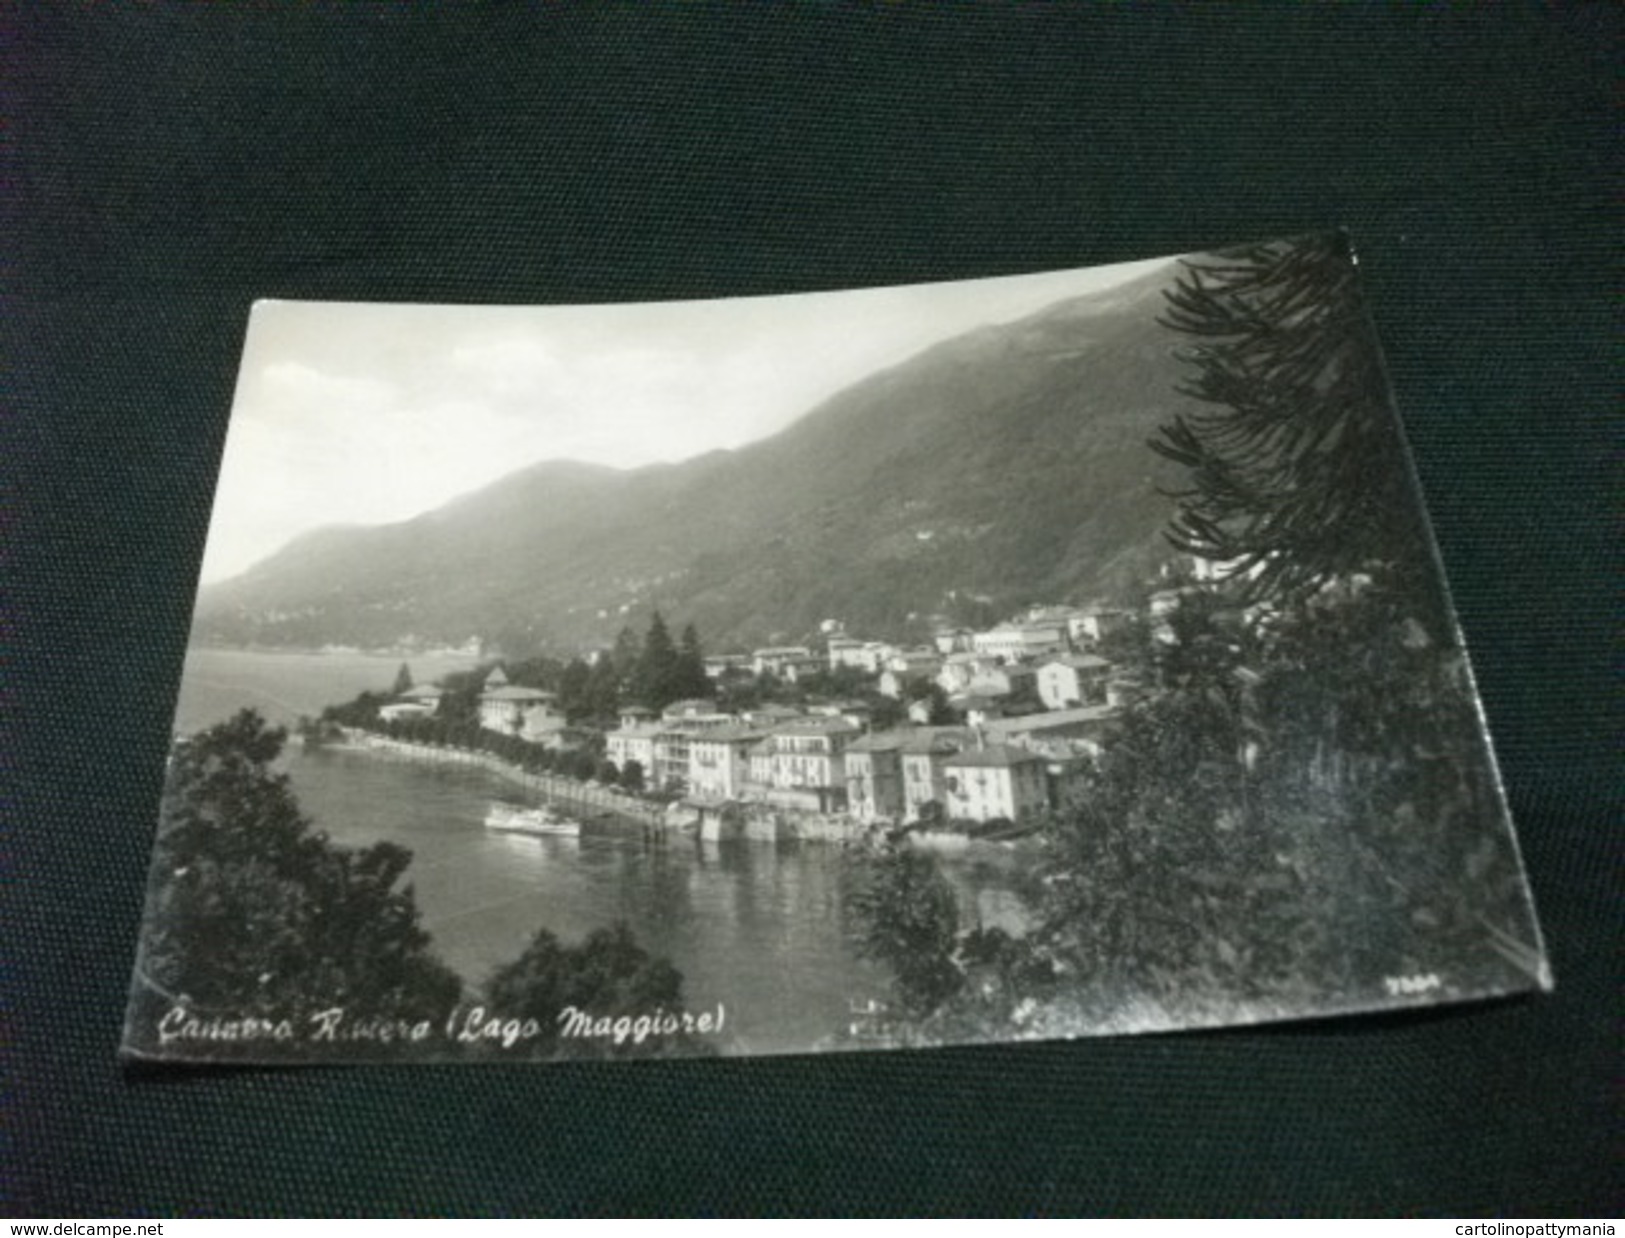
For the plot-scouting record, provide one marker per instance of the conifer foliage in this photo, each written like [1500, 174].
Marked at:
[1296, 469]
[666, 671]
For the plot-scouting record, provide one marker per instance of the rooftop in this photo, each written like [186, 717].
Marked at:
[739, 734]
[1078, 661]
[817, 726]
[936, 739]
[1053, 719]
[973, 700]
[995, 755]
[879, 741]
[510, 693]
[636, 732]
[772, 713]
[695, 705]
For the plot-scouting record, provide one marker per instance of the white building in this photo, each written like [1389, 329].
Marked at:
[395, 711]
[767, 717]
[845, 651]
[925, 754]
[1002, 681]
[527, 712]
[1073, 679]
[868, 656]
[919, 662]
[697, 712]
[719, 762]
[1096, 623]
[805, 763]
[795, 672]
[424, 694]
[633, 743]
[779, 658]
[958, 669]
[672, 740]
[721, 665]
[998, 780]
[874, 777]
[1016, 641]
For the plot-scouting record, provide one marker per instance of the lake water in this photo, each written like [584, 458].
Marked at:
[760, 927]
[218, 682]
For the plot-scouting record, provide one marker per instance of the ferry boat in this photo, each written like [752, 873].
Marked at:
[512, 819]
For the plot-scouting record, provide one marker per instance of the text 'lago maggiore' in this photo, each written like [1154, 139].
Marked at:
[472, 1026]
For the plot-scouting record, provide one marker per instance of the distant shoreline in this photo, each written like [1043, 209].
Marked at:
[338, 651]
[285, 684]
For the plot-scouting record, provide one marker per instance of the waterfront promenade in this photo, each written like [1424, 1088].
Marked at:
[582, 800]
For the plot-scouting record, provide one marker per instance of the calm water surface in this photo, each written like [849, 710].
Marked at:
[759, 927]
[218, 682]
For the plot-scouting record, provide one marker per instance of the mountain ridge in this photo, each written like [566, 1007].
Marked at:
[1008, 462]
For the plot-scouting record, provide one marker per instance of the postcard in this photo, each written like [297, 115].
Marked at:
[1028, 658]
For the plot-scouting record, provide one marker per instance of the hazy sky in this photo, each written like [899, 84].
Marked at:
[364, 414]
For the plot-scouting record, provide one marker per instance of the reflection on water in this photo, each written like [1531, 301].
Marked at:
[758, 927]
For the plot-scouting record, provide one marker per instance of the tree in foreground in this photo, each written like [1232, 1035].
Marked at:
[906, 916]
[1296, 470]
[1301, 806]
[605, 979]
[254, 913]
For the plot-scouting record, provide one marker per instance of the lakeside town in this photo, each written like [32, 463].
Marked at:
[978, 734]
[1167, 727]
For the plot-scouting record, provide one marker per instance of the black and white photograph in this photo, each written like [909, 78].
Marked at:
[1024, 658]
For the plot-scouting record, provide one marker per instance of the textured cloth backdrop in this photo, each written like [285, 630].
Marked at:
[168, 164]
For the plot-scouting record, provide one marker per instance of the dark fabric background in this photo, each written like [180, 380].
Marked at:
[165, 165]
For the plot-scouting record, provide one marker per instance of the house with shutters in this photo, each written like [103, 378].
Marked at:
[925, 755]
[682, 724]
[634, 742]
[802, 764]
[991, 781]
[874, 777]
[719, 761]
